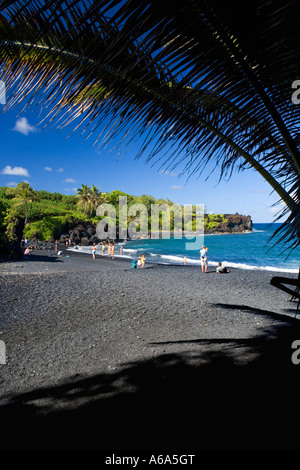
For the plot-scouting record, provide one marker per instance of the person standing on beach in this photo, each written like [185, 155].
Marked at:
[203, 258]
[103, 248]
[94, 249]
[143, 259]
[113, 251]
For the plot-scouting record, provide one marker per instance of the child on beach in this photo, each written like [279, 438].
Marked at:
[103, 248]
[113, 251]
[94, 249]
[27, 251]
[143, 259]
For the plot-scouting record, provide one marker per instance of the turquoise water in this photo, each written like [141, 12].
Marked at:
[246, 251]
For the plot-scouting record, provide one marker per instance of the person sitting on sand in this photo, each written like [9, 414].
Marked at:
[27, 251]
[222, 269]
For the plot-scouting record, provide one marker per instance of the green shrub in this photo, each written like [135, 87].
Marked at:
[45, 228]
[3, 213]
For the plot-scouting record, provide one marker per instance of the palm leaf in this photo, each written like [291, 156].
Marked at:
[192, 80]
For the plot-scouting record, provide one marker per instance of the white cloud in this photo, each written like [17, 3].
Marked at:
[175, 186]
[48, 168]
[167, 172]
[69, 180]
[70, 190]
[11, 183]
[23, 126]
[60, 170]
[258, 191]
[16, 170]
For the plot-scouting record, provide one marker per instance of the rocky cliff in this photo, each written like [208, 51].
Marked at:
[228, 223]
[84, 233]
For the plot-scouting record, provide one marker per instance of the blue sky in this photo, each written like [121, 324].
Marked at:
[48, 160]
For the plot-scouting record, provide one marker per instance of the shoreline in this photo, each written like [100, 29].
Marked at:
[143, 355]
[192, 262]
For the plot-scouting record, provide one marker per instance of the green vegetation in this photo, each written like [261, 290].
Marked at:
[47, 215]
[212, 221]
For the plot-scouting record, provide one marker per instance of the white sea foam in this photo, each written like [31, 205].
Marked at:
[260, 268]
[88, 250]
[172, 257]
[191, 261]
[177, 259]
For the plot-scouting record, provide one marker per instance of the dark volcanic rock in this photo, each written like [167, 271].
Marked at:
[235, 223]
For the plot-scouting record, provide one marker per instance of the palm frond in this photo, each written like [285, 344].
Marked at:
[193, 82]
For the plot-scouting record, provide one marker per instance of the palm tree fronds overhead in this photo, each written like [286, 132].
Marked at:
[192, 82]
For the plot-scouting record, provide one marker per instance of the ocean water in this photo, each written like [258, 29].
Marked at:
[245, 251]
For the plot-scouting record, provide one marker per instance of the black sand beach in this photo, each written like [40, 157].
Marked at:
[101, 356]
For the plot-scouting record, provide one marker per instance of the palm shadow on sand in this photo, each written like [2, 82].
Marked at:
[217, 393]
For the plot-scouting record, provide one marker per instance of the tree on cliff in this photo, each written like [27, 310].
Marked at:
[201, 81]
[84, 196]
[24, 195]
[90, 197]
[96, 197]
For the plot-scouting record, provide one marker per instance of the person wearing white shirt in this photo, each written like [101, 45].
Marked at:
[203, 258]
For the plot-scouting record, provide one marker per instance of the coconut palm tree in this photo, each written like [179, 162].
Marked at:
[84, 196]
[24, 195]
[194, 82]
[96, 197]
